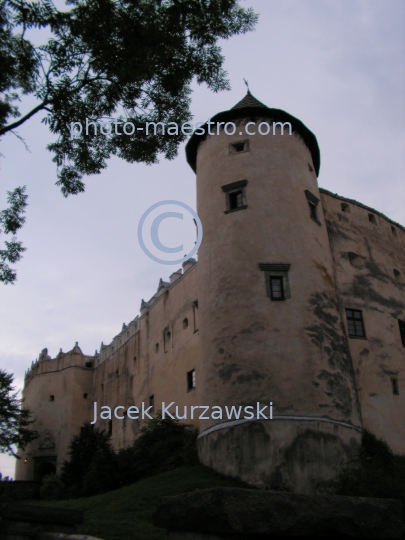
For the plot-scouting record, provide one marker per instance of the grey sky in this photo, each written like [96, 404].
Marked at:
[337, 65]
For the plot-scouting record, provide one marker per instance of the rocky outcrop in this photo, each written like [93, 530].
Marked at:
[245, 513]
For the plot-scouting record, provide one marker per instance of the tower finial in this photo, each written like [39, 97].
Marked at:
[247, 84]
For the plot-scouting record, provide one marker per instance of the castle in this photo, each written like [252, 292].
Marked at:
[297, 298]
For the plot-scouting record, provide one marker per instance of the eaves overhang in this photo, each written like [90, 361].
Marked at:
[254, 113]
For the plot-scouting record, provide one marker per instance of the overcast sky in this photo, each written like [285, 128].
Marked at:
[337, 65]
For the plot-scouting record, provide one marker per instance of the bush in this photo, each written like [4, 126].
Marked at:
[94, 467]
[102, 474]
[374, 472]
[162, 445]
[52, 488]
[92, 461]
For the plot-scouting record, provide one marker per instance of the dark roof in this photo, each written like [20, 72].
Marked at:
[249, 101]
[251, 107]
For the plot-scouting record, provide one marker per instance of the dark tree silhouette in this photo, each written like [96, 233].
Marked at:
[127, 61]
[14, 420]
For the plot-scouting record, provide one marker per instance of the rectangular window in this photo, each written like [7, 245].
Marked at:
[167, 336]
[313, 206]
[313, 212]
[395, 389]
[51, 398]
[110, 427]
[277, 281]
[276, 288]
[195, 315]
[191, 380]
[355, 324]
[402, 331]
[235, 200]
[152, 403]
[235, 196]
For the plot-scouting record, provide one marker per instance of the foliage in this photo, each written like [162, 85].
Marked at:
[95, 468]
[110, 59]
[102, 474]
[109, 56]
[12, 219]
[14, 420]
[374, 472]
[91, 447]
[162, 445]
[52, 488]
[126, 513]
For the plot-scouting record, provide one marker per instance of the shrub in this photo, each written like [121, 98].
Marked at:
[52, 488]
[94, 467]
[91, 454]
[162, 445]
[102, 474]
[374, 472]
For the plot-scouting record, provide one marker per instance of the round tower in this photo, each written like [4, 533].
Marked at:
[271, 326]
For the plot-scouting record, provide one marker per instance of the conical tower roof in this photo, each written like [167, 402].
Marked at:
[249, 101]
[252, 108]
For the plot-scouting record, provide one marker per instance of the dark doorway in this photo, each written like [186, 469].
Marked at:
[44, 468]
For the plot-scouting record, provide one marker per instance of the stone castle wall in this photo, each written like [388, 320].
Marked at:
[369, 264]
[151, 356]
[218, 318]
[129, 370]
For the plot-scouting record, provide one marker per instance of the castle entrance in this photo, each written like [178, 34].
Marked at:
[43, 467]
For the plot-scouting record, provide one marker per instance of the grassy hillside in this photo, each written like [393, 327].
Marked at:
[126, 513]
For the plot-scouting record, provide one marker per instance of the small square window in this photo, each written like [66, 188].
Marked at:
[191, 380]
[276, 288]
[152, 403]
[393, 230]
[355, 259]
[89, 364]
[402, 331]
[371, 218]
[85, 396]
[397, 275]
[238, 147]
[51, 398]
[345, 207]
[355, 323]
[394, 384]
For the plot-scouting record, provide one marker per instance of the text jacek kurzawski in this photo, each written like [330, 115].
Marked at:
[201, 412]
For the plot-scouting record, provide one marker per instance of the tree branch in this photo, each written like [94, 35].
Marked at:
[18, 123]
